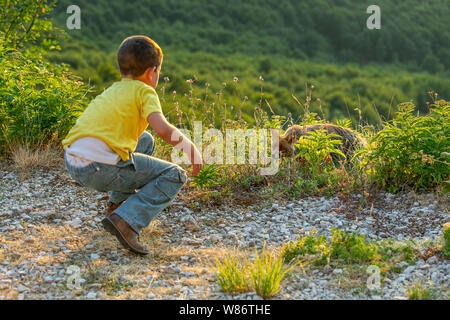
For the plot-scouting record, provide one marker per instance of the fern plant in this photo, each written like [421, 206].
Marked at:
[316, 169]
[208, 177]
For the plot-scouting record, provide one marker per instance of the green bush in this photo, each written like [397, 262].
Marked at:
[345, 247]
[352, 247]
[39, 102]
[315, 166]
[411, 150]
[389, 251]
[310, 244]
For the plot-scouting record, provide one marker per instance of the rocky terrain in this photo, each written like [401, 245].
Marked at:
[50, 225]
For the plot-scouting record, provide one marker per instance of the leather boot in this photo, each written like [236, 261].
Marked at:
[118, 227]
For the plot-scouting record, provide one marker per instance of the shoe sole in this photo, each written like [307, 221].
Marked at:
[111, 228]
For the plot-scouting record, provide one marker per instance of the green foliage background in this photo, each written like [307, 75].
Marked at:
[333, 30]
[290, 43]
[246, 64]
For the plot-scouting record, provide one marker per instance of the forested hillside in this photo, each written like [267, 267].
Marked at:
[292, 44]
[413, 32]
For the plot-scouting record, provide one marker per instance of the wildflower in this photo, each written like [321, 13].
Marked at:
[261, 78]
[235, 79]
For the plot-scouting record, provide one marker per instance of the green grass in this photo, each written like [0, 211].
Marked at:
[232, 276]
[391, 250]
[263, 276]
[114, 284]
[307, 245]
[446, 235]
[351, 250]
[347, 248]
[267, 273]
[419, 292]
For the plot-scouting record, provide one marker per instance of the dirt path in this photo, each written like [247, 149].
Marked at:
[49, 226]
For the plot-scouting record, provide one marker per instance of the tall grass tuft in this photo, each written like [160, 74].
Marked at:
[446, 235]
[24, 157]
[263, 276]
[267, 273]
[231, 275]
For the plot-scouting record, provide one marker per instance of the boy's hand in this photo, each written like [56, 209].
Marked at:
[196, 167]
[166, 131]
[195, 156]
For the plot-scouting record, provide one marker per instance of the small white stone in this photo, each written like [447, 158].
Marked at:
[432, 260]
[409, 269]
[21, 288]
[338, 271]
[94, 256]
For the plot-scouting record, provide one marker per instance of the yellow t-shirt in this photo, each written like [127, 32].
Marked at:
[118, 116]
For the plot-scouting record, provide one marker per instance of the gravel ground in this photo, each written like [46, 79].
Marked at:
[49, 223]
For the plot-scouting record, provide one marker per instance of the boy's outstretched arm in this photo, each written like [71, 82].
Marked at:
[166, 131]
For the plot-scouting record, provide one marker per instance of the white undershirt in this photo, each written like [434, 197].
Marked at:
[86, 150]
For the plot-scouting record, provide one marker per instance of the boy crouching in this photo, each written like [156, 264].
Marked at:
[109, 149]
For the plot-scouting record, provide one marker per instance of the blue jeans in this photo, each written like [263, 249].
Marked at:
[146, 183]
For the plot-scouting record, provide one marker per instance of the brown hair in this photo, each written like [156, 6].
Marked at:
[138, 53]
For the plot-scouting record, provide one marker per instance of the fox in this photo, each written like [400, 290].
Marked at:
[350, 140]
